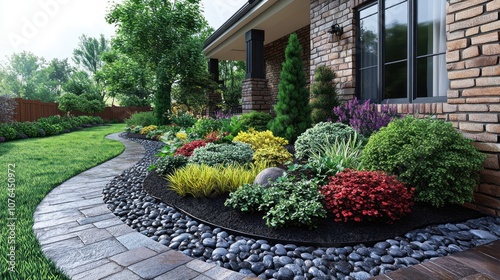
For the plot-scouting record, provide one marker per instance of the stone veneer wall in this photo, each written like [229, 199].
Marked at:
[473, 51]
[274, 55]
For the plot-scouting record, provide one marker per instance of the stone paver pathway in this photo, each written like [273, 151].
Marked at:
[77, 231]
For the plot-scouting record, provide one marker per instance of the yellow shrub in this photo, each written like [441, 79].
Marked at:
[259, 139]
[148, 129]
[272, 155]
[203, 180]
[267, 148]
[182, 135]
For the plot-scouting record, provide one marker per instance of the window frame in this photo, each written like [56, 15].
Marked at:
[412, 56]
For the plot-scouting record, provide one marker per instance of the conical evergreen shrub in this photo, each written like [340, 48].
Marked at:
[324, 95]
[293, 114]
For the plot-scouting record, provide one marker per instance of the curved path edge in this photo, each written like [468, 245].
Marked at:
[78, 232]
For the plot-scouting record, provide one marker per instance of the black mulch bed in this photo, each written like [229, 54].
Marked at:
[328, 233]
[136, 135]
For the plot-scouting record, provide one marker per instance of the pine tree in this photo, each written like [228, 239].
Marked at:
[324, 95]
[293, 114]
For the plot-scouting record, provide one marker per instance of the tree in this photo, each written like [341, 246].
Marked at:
[30, 77]
[324, 95]
[165, 37]
[125, 79]
[89, 51]
[69, 102]
[86, 103]
[79, 83]
[232, 74]
[293, 114]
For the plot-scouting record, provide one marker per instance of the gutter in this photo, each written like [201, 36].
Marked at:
[243, 11]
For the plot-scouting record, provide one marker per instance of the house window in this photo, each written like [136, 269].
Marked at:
[401, 55]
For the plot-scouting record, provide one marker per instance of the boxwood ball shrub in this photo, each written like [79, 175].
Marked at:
[320, 135]
[224, 154]
[367, 196]
[256, 120]
[427, 154]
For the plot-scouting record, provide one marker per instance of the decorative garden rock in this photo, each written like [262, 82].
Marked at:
[268, 175]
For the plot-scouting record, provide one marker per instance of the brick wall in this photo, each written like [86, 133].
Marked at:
[473, 51]
[337, 52]
[274, 55]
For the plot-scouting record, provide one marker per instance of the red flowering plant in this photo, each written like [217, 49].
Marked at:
[188, 149]
[367, 196]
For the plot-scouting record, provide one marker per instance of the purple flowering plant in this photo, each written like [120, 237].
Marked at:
[365, 117]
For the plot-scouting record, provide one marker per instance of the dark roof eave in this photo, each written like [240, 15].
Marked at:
[231, 21]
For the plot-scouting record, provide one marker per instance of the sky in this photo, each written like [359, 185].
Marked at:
[51, 28]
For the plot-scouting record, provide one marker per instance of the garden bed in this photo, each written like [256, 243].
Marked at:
[328, 233]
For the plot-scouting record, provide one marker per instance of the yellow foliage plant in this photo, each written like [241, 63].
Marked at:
[208, 181]
[268, 149]
[147, 129]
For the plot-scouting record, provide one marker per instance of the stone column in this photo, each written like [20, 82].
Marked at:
[256, 95]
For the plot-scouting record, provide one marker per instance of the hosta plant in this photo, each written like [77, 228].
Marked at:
[367, 196]
[320, 135]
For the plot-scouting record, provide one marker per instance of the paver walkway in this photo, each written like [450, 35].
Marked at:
[79, 233]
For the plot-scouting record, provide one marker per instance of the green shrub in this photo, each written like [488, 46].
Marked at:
[293, 114]
[319, 136]
[203, 180]
[29, 129]
[247, 198]
[204, 126]
[50, 129]
[142, 119]
[286, 202]
[330, 159]
[7, 131]
[183, 119]
[324, 95]
[166, 165]
[429, 155]
[214, 154]
[255, 120]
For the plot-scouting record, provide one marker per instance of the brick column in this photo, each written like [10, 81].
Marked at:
[256, 95]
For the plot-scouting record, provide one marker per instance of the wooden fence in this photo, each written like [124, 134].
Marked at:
[32, 110]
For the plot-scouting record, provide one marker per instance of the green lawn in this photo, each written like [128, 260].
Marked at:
[40, 165]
